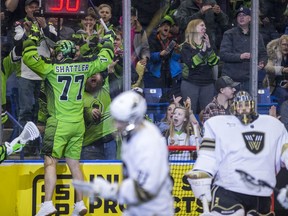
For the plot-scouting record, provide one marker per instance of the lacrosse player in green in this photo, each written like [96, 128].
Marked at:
[65, 79]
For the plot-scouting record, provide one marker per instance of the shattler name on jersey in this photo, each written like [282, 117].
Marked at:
[72, 68]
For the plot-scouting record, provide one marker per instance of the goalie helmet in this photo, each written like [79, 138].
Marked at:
[243, 107]
[129, 107]
[65, 48]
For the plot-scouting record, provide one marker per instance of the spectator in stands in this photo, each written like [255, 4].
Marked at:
[181, 131]
[7, 9]
[87, 38]
[267, 30]
[164, 68]
[65, 31]
[115, 69]
[164, 124]
[274, 10]
[140, 51]
[198, 58]
[284, 114]
[9, 63]
[220, 105]
[216, 21]
[99, 142]
[105, 12]
[277, 68]
[235, 51]
[28, 81]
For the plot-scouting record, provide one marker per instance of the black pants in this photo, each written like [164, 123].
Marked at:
[225, 199]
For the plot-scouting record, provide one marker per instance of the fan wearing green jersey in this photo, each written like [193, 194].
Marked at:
[99, 142]
[65, 78]
[9, 65]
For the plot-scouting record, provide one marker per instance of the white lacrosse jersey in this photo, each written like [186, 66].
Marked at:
[254, 148]
[146, 188]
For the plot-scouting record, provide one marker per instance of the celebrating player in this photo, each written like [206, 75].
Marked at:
[65, 80]
[146, 188]
[245, 141]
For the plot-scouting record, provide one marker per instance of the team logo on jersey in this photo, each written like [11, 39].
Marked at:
[102, 59]
[254, 141]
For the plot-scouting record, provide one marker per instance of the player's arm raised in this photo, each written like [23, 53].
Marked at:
[32, 59]
[105, 56]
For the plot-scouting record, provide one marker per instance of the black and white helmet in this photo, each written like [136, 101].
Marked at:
[244, 99]
[129, 107]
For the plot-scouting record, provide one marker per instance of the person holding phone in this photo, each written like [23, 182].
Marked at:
[164, 66]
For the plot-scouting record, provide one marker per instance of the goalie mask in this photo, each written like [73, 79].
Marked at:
[64, 49]
[243, 107]
[128, 109]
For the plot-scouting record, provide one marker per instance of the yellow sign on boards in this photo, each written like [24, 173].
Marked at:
[22, 189]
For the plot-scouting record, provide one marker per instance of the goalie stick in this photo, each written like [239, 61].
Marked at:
[246, 177]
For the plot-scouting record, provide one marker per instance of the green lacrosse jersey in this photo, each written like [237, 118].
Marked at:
[9, 65]
[65, 81]
[95, 130]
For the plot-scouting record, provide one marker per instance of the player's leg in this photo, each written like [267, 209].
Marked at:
[255, 213]
[261, 207]
[50, 164]
[226, 202]
[50, 178]
[72, 155]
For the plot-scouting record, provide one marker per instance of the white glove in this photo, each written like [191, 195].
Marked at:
[283, 197]
[99, 187]
[200, 183]
[105, 189]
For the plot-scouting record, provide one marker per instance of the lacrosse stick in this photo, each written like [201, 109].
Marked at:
[99, 17]
[30, 132]
[246, 177]
[205, 205]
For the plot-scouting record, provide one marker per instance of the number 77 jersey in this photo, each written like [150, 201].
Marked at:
[65, 81]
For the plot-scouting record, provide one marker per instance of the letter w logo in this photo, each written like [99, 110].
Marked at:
[254, 141]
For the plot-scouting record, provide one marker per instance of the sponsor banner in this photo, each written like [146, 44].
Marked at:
[22, 189]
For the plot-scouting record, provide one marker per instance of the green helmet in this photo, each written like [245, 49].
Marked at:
[66, 47]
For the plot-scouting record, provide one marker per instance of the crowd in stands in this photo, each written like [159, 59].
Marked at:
[198, 53]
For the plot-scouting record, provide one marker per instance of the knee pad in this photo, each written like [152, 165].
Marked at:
[255, 213]
[236, 210]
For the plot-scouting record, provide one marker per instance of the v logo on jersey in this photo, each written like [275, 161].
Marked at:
[254, 141]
